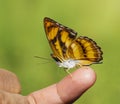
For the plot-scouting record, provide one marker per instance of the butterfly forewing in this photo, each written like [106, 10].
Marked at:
[59, 37]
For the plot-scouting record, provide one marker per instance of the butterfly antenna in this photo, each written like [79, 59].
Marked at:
[42, 58]
[100, 62]
[45, 62]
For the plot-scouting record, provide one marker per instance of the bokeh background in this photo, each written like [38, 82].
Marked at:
[22, 37]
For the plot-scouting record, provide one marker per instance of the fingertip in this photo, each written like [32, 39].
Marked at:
[71, 88]
[84, 75]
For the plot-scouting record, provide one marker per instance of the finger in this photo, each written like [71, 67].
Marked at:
[9, 82]
[67, 90]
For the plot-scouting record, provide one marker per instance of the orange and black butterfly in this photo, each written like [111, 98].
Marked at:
[70, 51]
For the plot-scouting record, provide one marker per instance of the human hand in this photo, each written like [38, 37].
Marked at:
[67, 91]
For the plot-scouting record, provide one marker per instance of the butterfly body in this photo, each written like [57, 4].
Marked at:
[70, 51]
[69, 63]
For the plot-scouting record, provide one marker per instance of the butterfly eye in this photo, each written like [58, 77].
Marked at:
[55, 58]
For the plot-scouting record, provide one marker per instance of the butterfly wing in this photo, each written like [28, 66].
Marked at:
[86, 50]
[60, 37]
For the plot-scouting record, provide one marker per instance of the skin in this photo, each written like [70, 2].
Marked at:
[66, 91]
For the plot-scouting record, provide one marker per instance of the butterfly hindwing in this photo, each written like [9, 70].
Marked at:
[86, 50]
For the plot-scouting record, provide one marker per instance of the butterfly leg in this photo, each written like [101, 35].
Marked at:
[67, 70]
[78, 66]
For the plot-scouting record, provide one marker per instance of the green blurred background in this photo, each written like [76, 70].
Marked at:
[22, 37]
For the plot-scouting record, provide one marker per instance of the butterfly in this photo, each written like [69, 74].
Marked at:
[70, 51]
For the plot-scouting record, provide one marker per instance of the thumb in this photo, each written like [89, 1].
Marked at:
[9, 82]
